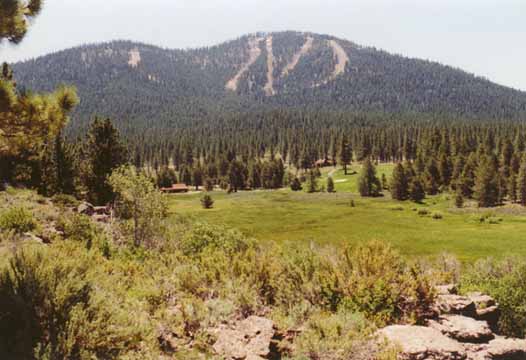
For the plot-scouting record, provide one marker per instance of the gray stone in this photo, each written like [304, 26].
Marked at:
[250, 339]
[463, 328]
[456, 304]
[419, 342]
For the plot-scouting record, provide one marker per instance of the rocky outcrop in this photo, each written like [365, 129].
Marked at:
[249, 339]
[419, 342]
[464, 329]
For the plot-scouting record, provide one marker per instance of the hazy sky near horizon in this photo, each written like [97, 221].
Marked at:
[485, 37]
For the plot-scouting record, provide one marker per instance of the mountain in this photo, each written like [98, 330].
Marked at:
[143, 86]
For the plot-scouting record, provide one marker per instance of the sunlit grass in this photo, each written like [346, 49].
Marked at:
[325, 218]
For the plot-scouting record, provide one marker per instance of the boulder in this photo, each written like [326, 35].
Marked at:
[487, 309]
[85, 208]
[250, 339]
[456, 304]
[490, 315]
[463, 328]
[449, 289]
[419, 342]
[481, 301]
[499, 349]
[101, 210]
[101, 218]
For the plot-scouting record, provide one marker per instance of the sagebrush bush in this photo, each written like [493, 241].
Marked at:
[422, 212]
[204, 236]
[17, 219]
[50, 309]
[65, 200]
[380, 284]
[505, 280]
[437, 215]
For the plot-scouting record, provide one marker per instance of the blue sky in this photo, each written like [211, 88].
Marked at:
[484, 37]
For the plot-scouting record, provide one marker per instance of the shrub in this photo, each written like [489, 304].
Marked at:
[505, 280]
[79, 228]
[204, 236]
[295, 185]
[339, 336]
[422, 212]
[397, 208]
[17, 219]
[65, 200]
[207, 202]
[382, 286]
[51, 310]
[437, 215]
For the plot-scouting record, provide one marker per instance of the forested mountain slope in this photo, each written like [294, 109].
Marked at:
[142, 86]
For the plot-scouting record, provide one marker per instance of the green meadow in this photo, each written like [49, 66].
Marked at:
[345, 218]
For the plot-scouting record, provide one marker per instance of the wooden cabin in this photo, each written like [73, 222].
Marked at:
[176, 188]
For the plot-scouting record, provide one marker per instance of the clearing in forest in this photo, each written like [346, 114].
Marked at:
[269, 86]
[296, 58]
[253, 54]
[135, 57]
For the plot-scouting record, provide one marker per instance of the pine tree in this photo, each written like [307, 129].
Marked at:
[330, 185]
[16, 15]
[399, 185]
[166, 177]
[486, 187]
[521, 182]
[236, 176]
[432, 179]
[312, 182]
[445, 169]
[345, 153]
[512, 188]
[416, 190]
[104, 153]
[459, 199]
[368, 182]
[207, 202]
[197, 177]
[27, 121]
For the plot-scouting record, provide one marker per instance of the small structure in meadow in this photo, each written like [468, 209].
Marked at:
[175, 188]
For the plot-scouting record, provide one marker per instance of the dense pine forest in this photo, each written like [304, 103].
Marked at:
[143, 87]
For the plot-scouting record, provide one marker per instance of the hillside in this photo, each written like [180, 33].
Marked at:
[143, 86]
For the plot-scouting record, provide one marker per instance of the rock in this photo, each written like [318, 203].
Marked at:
[32, 237]
[101, 210]
[449, 289]
[456, 304]
[490, 315]
[481, 301]
[250, 339]
[463, 328]
[85, 208]
[419, 342]
[101, 218]
[499, 349]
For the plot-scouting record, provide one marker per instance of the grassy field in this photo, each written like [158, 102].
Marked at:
[325, 218]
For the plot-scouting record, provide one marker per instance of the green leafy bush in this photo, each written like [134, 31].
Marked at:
[339, 336]
[17, 219]
[505, 280]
